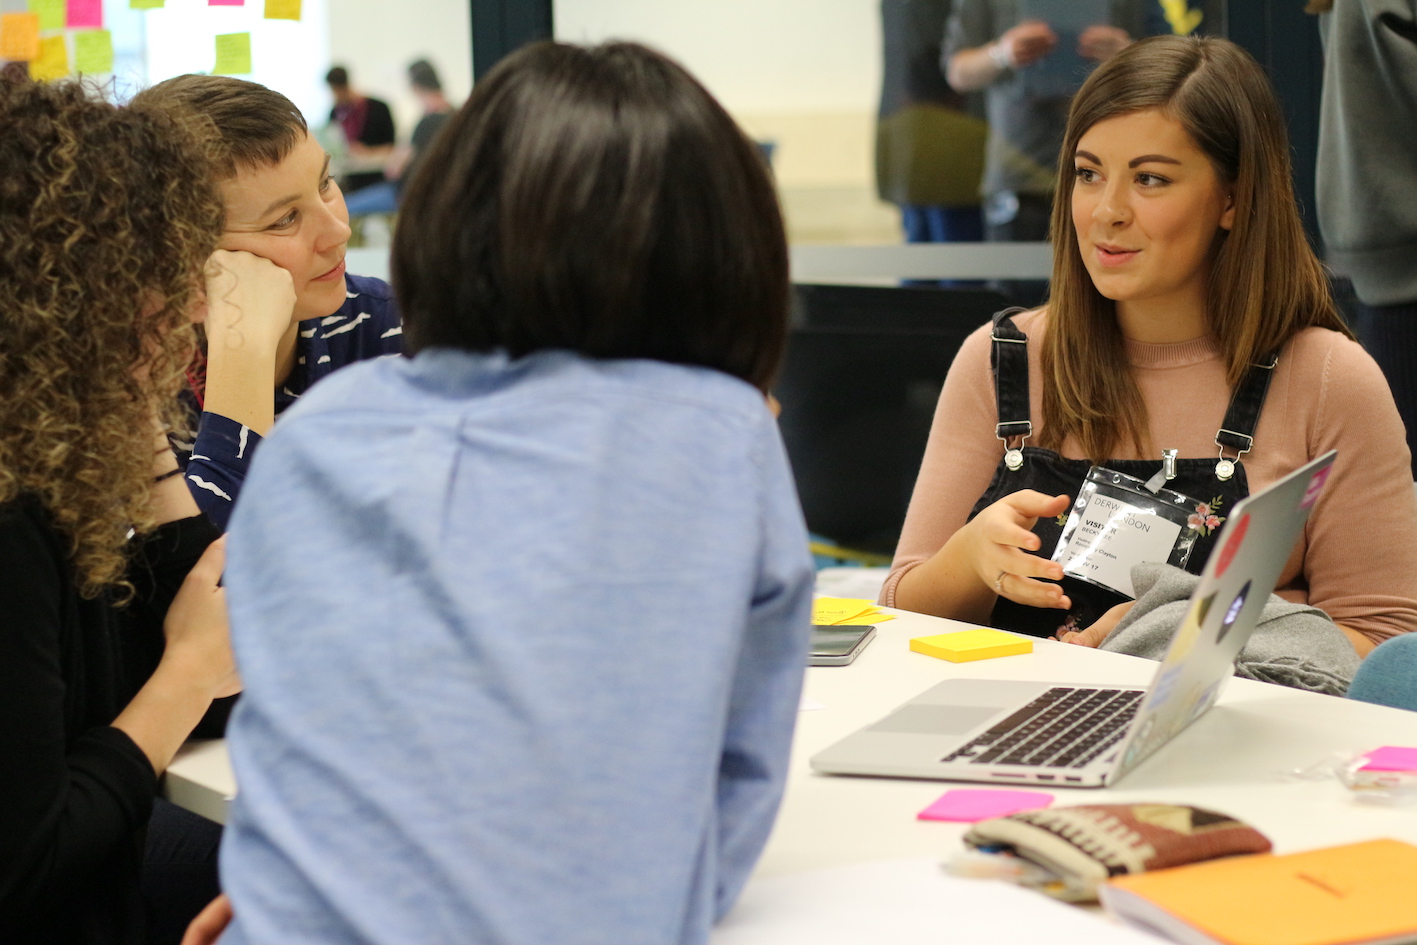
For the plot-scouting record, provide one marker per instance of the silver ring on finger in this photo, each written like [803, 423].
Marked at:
[999, 582]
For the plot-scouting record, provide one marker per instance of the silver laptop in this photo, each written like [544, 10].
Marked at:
[1090, 736]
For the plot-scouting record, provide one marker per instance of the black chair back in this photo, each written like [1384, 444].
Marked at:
[858, 388]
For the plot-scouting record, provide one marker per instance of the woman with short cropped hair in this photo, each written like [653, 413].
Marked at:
[284, 313]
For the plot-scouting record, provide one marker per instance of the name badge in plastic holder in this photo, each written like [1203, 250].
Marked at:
[1117, 522]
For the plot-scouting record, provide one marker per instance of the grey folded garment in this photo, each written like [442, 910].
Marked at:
[1294, 645]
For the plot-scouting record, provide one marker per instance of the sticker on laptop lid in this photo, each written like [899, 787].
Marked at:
[1316, 485]
[1234, 538]
[1232, 613]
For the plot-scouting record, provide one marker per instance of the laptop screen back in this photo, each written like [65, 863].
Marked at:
[1224, 609]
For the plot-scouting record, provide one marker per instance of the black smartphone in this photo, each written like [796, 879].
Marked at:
[838, 645]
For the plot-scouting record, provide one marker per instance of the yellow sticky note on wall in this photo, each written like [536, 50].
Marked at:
[233, 54]
[53, 61]
[19, 36]
[93, 51]
[146, 4]
[51, 13]
[282, 9]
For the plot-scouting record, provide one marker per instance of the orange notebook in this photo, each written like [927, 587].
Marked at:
[1356, 893]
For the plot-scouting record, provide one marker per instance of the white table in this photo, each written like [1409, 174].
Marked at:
[1237, 759]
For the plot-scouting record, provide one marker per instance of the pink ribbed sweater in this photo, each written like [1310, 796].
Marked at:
[1357, 558]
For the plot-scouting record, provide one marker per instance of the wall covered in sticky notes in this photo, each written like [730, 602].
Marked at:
[227, 37]
[126, 45]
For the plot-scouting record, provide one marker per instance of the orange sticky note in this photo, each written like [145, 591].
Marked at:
[282, 9]
[19, 36]
[53, 61]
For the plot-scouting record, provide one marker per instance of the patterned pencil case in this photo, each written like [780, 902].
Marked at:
[1073, 850]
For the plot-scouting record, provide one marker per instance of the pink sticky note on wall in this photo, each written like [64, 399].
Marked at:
[84, 14]
[226, 3]
[968, 806]
[1391, 758]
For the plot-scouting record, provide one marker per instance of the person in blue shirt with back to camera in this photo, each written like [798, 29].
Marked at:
[523, 620]
[282, 313]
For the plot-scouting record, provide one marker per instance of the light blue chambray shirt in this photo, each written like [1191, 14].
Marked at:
[522, 644]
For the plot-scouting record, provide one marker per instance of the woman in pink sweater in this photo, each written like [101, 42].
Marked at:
[1187, 314]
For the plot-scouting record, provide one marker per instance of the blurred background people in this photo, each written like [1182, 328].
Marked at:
[998, 46]
[929, 138]
[383, 197]
[368, 128]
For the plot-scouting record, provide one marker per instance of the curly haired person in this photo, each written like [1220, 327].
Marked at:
[113, 641]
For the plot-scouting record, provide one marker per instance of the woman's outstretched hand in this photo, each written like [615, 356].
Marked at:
[1003, 549]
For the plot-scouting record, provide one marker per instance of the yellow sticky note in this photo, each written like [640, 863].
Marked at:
[866, 616]
[966, 645]
[282, 9]
[93, 51]
[839, 609]
[19, 36]
[51, 13]
[1180, 17]
[53, 61]
[146, 4]
[233, 54]
[870, 615]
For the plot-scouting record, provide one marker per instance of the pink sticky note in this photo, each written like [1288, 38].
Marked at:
[967, 806]
[1391, 758]
[226, 3]
[84, 14]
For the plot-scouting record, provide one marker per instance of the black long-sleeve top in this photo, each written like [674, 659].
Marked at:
[76, 793]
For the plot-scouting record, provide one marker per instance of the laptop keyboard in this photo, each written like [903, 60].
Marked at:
[1063, 728]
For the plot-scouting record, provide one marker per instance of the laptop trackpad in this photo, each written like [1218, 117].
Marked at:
[936, 719]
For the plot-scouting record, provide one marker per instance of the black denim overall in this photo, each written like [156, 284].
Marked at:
[1029, 467]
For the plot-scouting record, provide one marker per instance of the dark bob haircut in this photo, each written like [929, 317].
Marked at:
[597, 200]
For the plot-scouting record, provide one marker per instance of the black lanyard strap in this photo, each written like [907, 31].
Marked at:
[1237, 430]
[1009, 359]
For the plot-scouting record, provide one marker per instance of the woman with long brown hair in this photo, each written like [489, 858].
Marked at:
[113, 637]
[1190, 343]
